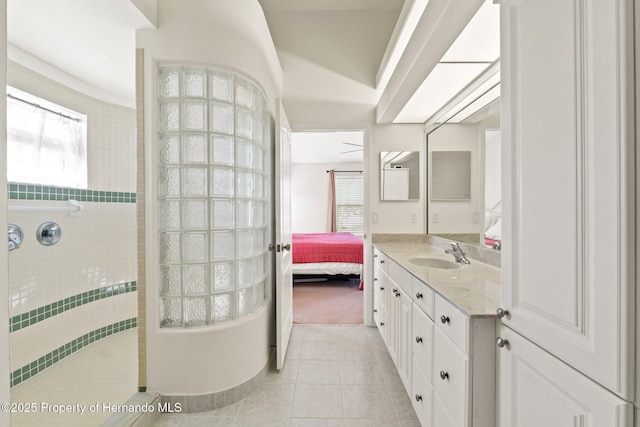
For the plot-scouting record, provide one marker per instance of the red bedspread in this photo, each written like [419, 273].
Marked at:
[326, 247]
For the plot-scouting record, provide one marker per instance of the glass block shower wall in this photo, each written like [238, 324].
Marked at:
[212, 191]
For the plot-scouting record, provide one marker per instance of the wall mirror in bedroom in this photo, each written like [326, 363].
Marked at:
[464, 180]
[399, 175]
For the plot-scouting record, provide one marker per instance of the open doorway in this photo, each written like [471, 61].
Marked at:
[327, 221]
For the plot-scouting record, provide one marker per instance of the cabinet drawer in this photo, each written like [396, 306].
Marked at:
[452, 322]
[400, 276]
[422, 341]
[451, 370]
[421, 396]
[380, 260]
[422, 295]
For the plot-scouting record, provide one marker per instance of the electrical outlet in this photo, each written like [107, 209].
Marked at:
[374, 217]
[475, 217]
[435, 217]
[414, 217]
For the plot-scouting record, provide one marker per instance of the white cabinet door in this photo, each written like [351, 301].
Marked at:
[404, 325]
[535, 389]
[567, 125]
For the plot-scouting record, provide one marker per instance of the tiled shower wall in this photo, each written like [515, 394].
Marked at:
[65, 296]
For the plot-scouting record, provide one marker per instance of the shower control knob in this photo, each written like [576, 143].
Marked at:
[49, 233]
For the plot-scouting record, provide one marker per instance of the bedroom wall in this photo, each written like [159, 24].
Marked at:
[310, 192]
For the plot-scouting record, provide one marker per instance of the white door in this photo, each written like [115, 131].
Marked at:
[567, 129]
[537, 390]
[284, 280]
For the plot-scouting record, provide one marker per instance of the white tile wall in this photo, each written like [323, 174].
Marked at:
[98, 247]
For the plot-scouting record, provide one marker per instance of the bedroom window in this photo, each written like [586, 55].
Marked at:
[350, 204]
[46, 143]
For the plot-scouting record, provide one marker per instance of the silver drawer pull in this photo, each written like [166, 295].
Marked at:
[502, 342]
[444, 319]
[444, 375]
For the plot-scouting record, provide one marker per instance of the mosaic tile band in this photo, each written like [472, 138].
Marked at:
[40, 192]
[31, 369]
[39, 314]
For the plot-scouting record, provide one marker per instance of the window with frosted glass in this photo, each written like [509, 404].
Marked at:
[46, 143]
[212, 196]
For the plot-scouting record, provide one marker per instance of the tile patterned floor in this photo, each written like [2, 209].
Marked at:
[334, 376]
[105, 371]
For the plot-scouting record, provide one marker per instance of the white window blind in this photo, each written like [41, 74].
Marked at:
[350, 204]
[46, 143]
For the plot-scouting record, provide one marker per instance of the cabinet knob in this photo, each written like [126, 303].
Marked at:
[444, 375]
[502, 342]
[382, 288]
[501, 312]
[419, 295]
[375, 279]
[444, 319]
[375, 255]
[375, 310]
[381, 323]
[381, 261]
[418, 340]
[418, 398]
[397, 293]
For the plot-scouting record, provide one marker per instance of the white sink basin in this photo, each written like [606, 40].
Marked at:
[435, 263]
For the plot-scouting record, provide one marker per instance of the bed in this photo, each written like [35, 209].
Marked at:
[327, 254]
[493, 226]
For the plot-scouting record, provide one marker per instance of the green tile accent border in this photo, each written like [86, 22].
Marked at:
[41, 192]
[31, 369]
[39, 314]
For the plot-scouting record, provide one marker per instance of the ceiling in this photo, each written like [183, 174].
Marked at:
[332, 52]
[327, 147]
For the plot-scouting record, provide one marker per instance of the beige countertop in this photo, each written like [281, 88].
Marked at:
[473, 288]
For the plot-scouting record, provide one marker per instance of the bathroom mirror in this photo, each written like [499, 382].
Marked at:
[464, 181]
[399, 175]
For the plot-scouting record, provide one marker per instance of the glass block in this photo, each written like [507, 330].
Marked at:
[260, 293]
[259, 187]
[194, 115]
[169, 215]
[221, 118]
[169, 116]
[246, 301]
[168, 82]
[244, 153]
[221, 86]
[169, 182]
[223, 276]
[195, 82]
[259, 268]
[195, 181]
[222, 214]
[194, 279]
[244, 243]
[259, 159]
[222, 245]
[221, 182]
[244, 123]
[222, 307]
[258, 214]
[222, 150]
[259, 134]
[194, 146]
[169, 147]
[194, 214]
[244, 213]
[170, 247]
[170, 279]
[195, 311]
[195, 247]
[170, 312]
[244, 273]
[244, 93]
[244, 183]
[260, 103]
[259, 242]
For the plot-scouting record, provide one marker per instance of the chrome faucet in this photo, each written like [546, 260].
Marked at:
[457, 252]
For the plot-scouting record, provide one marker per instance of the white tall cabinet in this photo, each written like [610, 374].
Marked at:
[568, 266]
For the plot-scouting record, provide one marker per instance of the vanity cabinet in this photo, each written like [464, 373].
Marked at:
[569, 257]
[445, 358]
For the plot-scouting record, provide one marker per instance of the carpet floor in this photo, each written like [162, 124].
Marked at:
[333, 302]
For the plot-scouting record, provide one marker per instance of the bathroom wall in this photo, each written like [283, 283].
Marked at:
[66, 296]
